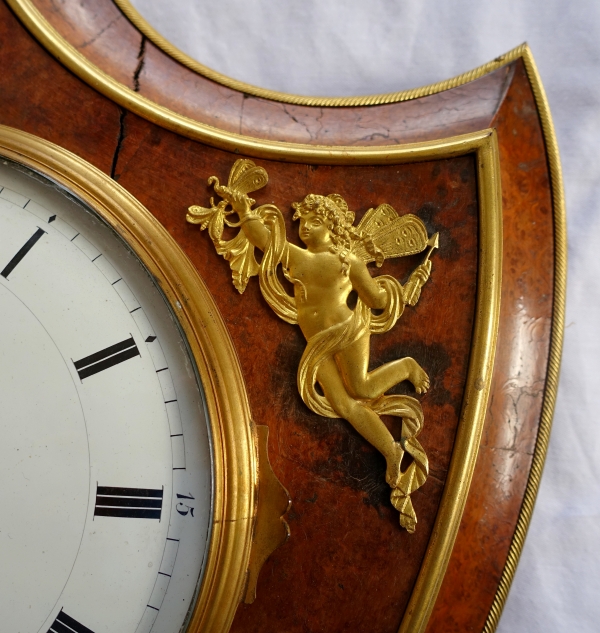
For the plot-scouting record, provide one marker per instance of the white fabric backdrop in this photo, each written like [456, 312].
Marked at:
[349, 47]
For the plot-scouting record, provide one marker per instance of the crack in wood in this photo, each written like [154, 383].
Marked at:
[120, 139]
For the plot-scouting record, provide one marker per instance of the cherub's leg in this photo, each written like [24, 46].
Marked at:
[353, 363]
[363, 419]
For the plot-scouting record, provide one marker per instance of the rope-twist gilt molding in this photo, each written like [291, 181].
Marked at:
[556, 341]
[131, 13]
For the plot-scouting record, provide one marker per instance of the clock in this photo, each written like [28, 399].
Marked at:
[115, 401]
[471, 164]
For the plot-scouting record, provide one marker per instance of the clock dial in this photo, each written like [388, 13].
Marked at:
[105, 459]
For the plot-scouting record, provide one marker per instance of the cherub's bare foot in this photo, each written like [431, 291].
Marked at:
[418, 377]
[394, 458]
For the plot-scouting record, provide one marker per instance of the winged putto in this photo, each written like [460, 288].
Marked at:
[333, 377]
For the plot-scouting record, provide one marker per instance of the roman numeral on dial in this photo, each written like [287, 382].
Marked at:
[106, 358]
[66, 624]
[29, 244]
[133, 503]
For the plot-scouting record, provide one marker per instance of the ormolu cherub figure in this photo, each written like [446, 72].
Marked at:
[323, 274]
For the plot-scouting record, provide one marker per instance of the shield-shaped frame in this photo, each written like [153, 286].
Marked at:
[476, 159]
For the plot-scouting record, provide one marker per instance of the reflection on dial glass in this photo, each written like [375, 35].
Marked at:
[105, 476]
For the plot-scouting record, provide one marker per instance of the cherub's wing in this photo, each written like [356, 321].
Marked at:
[406, 235]
[375, 219]
[391, 235]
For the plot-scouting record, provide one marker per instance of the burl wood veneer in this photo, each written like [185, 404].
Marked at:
[99, 30]
[348, 566]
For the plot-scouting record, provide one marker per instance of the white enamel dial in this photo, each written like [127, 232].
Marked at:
[105, 472]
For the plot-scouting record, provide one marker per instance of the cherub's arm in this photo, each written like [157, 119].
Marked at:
[373, 295]
[255, 230]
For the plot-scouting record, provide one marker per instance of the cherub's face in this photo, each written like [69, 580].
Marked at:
[313, 230]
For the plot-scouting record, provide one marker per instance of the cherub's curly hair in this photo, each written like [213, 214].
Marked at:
[338, 219]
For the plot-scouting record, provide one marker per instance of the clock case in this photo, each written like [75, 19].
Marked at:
[161, 126]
